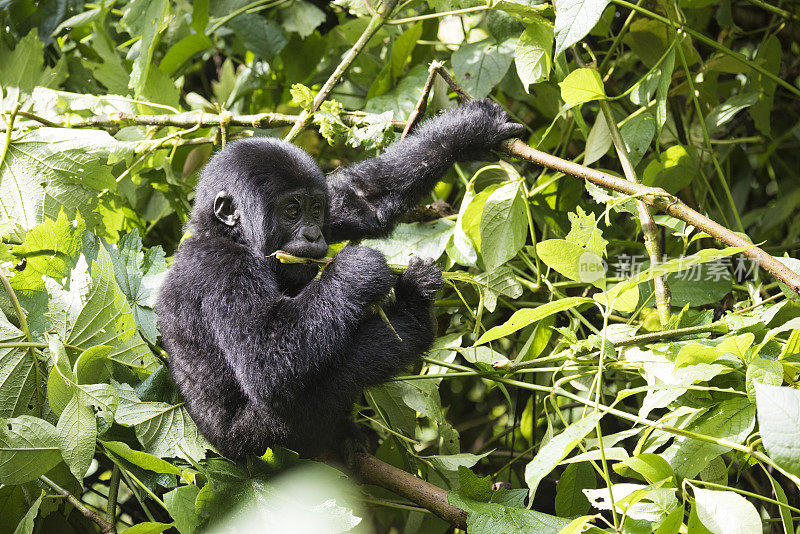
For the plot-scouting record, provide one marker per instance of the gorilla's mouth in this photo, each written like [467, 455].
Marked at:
[306, 250]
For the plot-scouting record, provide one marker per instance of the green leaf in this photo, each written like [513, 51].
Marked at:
[26, 525]
[180, 504]
[373, 132]
[638, 502]
[522, 318]
[403, 99]
[262, 36]
[570, 500]
[675, 170]
[676, 265]
[732, 419]
[500, 281]
[489, 511]
[77, 427]
[504, 226]
[638, 133]
[471, 215]
[301, 17]
[148, 527]
[23, 69]
[652, 467]
[139, 276]
[762, 371]
[302, 96]
[532, 55]
[50, 249]
[141, 459]
[164, 430]
[584, 231]
[695, 353]
[779, 424]
[426, 240]
[726, 512]
[480, 66]
[574, 19]
[50, 169]
[582, 85]
[572, 260]
[555, 450]
[724, 113]
[29, 447]
[17, 374]
[402, 48]
[769, 56]
[598, 142]
[182, 51]
[663, 91]
[145, 19]
[107, 319]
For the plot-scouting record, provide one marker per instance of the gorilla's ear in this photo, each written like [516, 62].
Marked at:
[225, 210]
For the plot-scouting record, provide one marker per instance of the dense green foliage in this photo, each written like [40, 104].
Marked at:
[552, 363]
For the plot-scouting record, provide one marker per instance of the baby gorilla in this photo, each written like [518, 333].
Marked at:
[267, 353]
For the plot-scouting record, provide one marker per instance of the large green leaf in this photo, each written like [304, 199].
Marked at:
[555, 450]
[164, 430]
[77, 427]
[29, 447]
[500, 511]
[427, 240]
[532, 56]
[779, 424]
[522, 318]
[732, 420]
[574, 19]
[50, 169]
[107, 319]
[50, 249]
[726, 512]
[582, 85]
[18, 393]
[139, 276]
[504, 226]
[480, 66]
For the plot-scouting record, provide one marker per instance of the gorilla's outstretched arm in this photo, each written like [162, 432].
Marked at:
[368, 198]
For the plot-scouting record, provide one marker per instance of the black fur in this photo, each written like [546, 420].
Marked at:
[265, 353]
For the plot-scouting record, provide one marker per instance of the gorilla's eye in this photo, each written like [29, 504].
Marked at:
[292, 211]
[316, 210]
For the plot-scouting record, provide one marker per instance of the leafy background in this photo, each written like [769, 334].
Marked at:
[596, 409]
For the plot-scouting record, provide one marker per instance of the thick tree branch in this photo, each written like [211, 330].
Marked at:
[370, 470]
[652, 196]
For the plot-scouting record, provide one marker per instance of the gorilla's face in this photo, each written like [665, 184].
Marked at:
[300, 215]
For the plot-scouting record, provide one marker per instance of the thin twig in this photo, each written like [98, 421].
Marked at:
[23, 322]
[645, 216]
[375, 23]
[422, 104]
[105, 526]
[9, 131]
[113, 490]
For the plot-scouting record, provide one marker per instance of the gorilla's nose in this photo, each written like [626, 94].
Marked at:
[312, 234]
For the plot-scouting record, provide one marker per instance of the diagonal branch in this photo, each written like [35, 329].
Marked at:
[105, 526]
[648, 225]
[652, 196]
[370, 470]
[372, 28]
